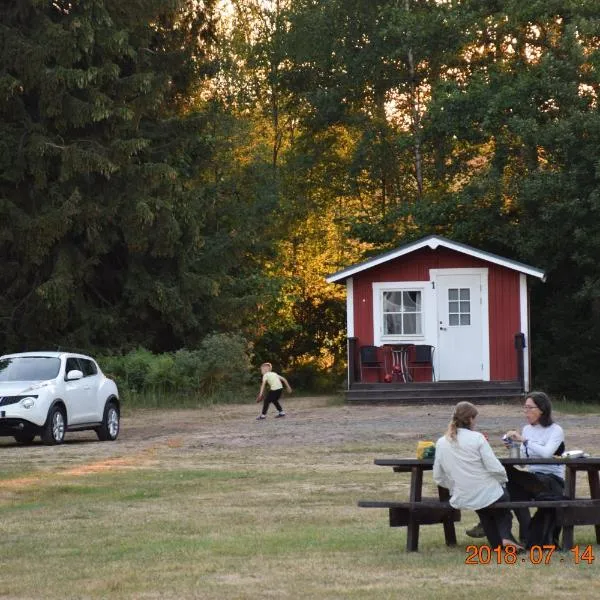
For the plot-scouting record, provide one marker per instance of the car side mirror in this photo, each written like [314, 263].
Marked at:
[74, 374]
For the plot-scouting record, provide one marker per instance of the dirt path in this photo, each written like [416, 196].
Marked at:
[309, 422]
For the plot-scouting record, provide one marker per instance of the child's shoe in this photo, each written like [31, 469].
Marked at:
[281, 414]
[261, 417]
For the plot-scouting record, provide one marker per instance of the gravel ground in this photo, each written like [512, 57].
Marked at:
[312, 421]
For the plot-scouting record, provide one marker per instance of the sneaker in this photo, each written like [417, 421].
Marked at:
[281, 414]
[476, 532]
[261, 417]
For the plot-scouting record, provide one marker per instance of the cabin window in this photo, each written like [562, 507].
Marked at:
[459, 307]
[402, 312]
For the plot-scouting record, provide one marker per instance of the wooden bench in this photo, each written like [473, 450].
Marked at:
[428, 511]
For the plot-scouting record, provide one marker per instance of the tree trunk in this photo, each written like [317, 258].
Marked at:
[415, 116]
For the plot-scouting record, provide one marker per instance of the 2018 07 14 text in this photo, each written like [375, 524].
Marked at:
[536, 555]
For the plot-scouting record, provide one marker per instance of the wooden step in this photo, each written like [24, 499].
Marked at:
[435, 392]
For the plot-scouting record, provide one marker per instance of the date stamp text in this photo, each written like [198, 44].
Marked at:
[536, 555]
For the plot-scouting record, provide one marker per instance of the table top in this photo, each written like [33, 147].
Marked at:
[427, 463]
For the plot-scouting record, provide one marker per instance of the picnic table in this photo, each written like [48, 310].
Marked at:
[419, 511]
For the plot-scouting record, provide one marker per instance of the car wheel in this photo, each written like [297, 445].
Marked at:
[54, 429]
[24, 437]
[109, 430]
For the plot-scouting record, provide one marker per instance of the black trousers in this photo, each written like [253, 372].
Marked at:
[496, 522]
[272, 396]
[527, 485]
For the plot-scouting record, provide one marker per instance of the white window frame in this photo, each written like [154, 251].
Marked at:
[459, 313]
[398, 286]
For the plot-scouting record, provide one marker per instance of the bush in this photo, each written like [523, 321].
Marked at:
[130, 370]
[225, 363]
[217, 371]
[309, 377]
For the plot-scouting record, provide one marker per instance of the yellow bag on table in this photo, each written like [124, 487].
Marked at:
[422, 449]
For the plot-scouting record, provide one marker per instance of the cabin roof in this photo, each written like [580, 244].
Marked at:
[433, 242]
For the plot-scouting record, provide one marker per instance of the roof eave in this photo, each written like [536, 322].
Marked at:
[434, 242]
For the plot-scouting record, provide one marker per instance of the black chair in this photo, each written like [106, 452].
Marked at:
[421, 357]
[369, 359]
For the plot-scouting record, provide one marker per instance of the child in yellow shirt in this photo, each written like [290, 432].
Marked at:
[275, 383]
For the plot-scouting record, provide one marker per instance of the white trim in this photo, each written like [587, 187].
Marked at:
[524, 309]
[417, 286]
[350, 306]
[349, 325]
[485, 314]
[433, 242]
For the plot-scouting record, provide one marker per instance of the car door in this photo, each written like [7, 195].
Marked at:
[77, 394]
[94, 405]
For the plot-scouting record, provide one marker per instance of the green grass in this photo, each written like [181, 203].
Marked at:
[239, 522]
[238, 536]
[575, 407]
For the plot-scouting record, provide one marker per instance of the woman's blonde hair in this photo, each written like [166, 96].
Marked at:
[463, 413]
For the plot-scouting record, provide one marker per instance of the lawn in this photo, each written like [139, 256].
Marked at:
[208, 503]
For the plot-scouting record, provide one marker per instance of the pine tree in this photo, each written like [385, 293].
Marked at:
[103, 202]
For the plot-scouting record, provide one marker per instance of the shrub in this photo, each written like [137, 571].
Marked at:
[225, 363]
[130, 370]
[309, 377]
[215, 372]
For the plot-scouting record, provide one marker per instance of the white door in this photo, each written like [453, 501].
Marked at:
[462, 353]
[79, 395]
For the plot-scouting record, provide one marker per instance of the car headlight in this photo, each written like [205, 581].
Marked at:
[28, 402]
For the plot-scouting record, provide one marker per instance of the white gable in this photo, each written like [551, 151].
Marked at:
[433, 242]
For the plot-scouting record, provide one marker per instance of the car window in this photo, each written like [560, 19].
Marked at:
[29, 368]
[88, 367]
[72, 365]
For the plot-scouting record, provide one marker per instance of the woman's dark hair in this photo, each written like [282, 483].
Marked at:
[542, 401]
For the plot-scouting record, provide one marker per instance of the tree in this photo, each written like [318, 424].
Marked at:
[498, 105]
[526, 103]
[108, 212]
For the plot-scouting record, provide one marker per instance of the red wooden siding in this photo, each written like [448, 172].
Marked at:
[503, 300]
[505, 321]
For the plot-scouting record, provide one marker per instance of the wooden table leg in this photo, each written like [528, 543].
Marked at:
[570, 484]
[449, 529]
[416, 487]
[594, 481]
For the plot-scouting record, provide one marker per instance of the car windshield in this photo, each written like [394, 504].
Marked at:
[29, 368]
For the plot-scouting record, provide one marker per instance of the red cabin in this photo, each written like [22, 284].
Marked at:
[438, 310]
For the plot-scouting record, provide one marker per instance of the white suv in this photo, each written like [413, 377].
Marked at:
[48, 393]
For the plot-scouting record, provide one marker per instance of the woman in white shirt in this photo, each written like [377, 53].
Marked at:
[466, 464]
[540, 438]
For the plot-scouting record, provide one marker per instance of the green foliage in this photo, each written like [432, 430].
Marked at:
[497, 107]
[218, 369]
[313, 378]
[130, 370]
[113, 231]
[164, 176]
[225, 360]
